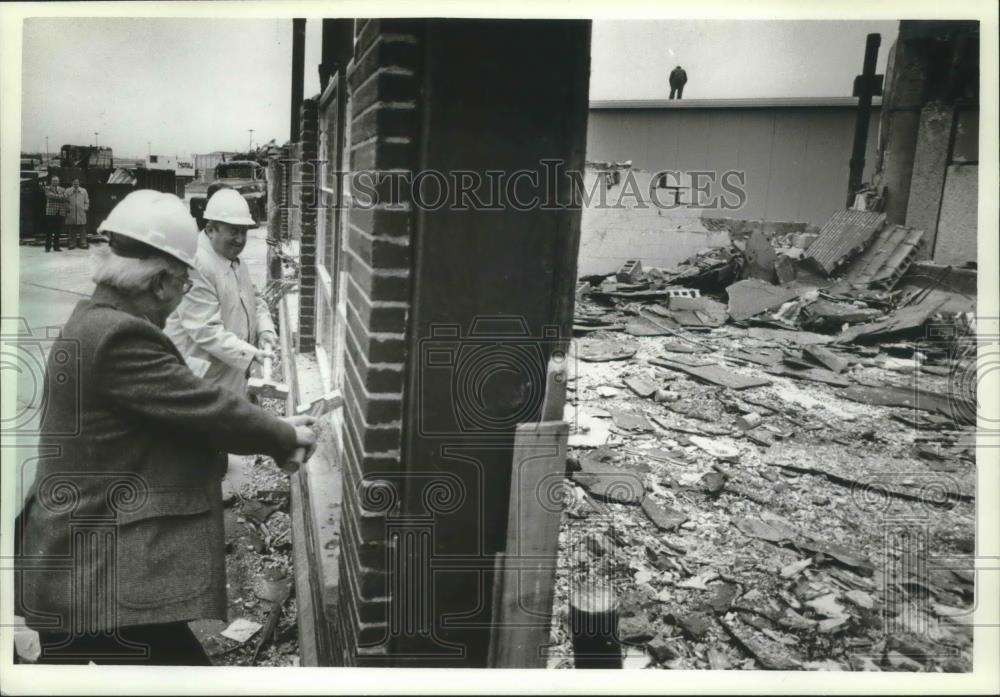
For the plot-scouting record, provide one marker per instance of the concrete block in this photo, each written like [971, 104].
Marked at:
[630, 271]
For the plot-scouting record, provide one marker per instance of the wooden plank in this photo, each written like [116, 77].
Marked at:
[714, 374]
[315, 501]
[309, 636]
[825, 358]
[524, 608]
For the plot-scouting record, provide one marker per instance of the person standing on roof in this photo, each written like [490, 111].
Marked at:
[678, 78]
[223, 324]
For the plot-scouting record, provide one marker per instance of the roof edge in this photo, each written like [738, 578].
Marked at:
[750, 103]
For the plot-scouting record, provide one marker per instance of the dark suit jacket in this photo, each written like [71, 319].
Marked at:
[123, 524]
[678, 77]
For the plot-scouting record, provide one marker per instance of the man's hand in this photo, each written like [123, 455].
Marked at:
[262, 353]
[305, 436]
[267, 340]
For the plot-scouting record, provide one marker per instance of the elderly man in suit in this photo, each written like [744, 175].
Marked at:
[55, 214]
[121, 539]
[78, 203]
[223, 325]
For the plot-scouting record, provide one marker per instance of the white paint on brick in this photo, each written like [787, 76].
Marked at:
[384, 70]
[399, 240]
[393, 106]
[384, 273]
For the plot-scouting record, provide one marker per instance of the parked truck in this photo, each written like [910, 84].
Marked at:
[246, 176]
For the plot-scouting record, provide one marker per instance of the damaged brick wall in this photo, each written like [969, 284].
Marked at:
[384, 82]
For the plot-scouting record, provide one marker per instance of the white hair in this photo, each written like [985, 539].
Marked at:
[128, 274]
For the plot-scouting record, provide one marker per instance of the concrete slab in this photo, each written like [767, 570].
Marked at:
[957, 240]
[930, 162]
[614, 229]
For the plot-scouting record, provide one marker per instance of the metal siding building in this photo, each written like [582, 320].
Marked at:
[795, 152]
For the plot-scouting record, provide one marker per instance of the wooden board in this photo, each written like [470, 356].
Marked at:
[523, 603]
[715, 375]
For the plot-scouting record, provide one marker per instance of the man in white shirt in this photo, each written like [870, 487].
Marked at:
[223, 323]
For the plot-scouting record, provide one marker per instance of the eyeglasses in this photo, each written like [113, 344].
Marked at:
[186, 283]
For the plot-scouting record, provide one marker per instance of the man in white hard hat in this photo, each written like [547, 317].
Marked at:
[223, 324]
[121, 540]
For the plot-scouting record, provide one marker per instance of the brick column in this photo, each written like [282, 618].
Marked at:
[384, 82]
[308, 200]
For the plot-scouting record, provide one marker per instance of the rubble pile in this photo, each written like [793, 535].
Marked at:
[774, 475]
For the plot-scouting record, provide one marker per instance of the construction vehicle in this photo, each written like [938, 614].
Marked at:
[248, 177]
[86, 157]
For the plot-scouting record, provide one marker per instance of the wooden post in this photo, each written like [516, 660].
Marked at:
[298, 73]
[868, 87]
[593, 616]
[525, 574]
[274, 204]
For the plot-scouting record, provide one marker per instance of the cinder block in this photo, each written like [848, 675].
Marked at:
[629, 272]
[683, 293]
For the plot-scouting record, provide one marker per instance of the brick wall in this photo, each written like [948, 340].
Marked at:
[384, 81]
[308, 199]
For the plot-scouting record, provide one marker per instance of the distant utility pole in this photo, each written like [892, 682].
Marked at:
[46, 147]
[250, 147]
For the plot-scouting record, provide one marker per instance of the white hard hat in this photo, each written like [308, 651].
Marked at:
[228, 206]
[159, 220]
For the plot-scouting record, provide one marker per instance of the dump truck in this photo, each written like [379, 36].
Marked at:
[246, 176]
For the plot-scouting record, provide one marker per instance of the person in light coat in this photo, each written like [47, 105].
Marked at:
[76, 215]
[223, 324]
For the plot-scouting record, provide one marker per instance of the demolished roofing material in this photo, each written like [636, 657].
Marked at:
[843, 235]
[886, 260]
[753, 296]
[908, 321]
